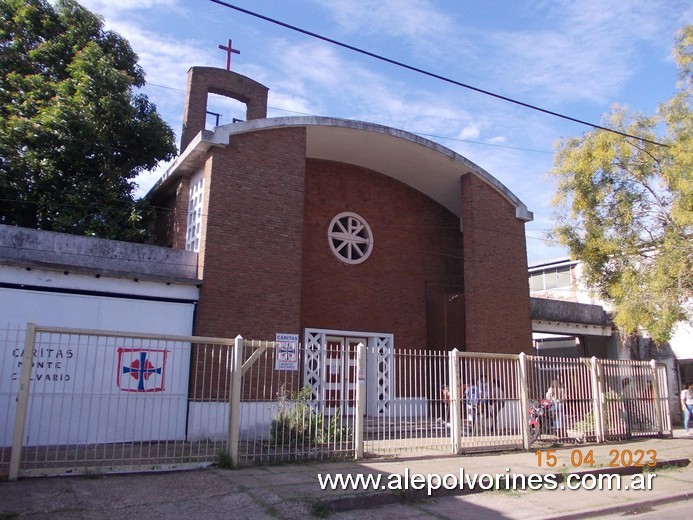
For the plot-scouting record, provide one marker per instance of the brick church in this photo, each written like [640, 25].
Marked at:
[333, 228]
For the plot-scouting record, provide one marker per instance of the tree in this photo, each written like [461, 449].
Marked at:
[73, 133]
[625, 208]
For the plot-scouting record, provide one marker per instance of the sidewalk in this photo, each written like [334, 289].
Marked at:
[293, 490]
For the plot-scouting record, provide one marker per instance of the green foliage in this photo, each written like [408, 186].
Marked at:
[224, 460]
[73, 133]
[625, 208]
[610, 414]
[298, 424]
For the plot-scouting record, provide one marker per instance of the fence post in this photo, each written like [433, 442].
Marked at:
[360, 400]
[455, 416]
[655, 398]
[524, 399]
[235, 400]
[22, 401]
[597, 406]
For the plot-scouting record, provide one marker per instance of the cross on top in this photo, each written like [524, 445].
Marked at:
[229, 50]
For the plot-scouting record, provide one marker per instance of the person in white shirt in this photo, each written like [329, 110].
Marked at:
[472, 398]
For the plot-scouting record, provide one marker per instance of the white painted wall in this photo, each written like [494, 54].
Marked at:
[76, 397]
[682, 341]
[210, 421]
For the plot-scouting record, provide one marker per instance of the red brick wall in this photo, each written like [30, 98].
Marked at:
[417, 243]
[251, 258]
[267, 266]
[498, 315]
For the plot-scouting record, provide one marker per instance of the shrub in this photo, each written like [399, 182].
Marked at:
[299, 423]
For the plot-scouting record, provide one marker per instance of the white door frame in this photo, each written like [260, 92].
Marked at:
[378, 365]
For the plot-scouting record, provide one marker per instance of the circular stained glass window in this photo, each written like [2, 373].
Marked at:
[350, 238]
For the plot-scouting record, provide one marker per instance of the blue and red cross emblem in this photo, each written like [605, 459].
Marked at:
[141, 370]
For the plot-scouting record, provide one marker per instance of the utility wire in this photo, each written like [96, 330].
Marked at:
[422, 134]
[432, 74]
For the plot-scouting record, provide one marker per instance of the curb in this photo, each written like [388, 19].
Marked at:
[630, 507]
[382, 498]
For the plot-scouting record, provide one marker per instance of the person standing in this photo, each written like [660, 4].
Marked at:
[628, 396]
[556, 394]
[445, 401]
[472, 399]
[497, 402]
[687, 406]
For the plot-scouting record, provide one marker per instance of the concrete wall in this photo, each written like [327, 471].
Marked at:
[566, 311]
[58, 280]
[33, 247]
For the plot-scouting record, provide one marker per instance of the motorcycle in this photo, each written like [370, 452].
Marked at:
[541, 419]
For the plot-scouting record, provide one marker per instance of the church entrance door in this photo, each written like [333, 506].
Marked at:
[340, 373]
[330, 370]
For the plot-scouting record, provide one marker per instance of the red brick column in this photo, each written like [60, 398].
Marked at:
[498, 314]
[252, 252]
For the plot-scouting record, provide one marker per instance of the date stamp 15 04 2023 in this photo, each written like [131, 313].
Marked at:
[579, 458]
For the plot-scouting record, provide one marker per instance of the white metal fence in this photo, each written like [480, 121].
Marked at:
[115, 401]
[599, 399]
[491, 397]
[80, 401]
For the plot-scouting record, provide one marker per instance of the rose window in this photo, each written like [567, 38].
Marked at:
[350, 237]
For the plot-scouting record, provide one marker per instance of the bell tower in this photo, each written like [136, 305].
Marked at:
[205, 80]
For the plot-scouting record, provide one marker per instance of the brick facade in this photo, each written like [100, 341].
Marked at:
[267, 266]
[251, 259]
[417, 245]
[498, 315]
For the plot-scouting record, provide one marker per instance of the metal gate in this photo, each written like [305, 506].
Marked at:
[85, 400]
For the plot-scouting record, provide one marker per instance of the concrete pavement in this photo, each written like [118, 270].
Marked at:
[294, 491]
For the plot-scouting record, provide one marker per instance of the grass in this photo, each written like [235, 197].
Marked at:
[224, 460]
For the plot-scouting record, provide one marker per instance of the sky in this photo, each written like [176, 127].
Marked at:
[576, 58]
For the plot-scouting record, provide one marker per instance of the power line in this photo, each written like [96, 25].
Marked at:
[432, 74]
[422, 134]
[433, 136]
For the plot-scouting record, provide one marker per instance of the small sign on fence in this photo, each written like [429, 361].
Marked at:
[286, 356]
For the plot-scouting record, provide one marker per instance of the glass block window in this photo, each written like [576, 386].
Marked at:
[196, 200]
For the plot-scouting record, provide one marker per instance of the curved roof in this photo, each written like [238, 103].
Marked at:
[420, 163]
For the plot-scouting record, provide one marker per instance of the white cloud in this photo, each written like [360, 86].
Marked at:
[109, 8]
[586, 50]
[498, 139]
[165, 60]
[146, 180]
[566, 52]
[471, 131]
[415, 19]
